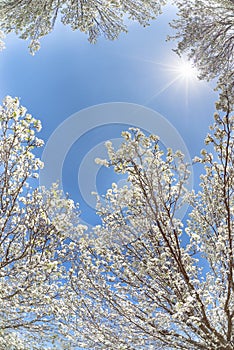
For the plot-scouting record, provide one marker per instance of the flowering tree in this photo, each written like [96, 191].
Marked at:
[146, 279]
[36, 229]
[34, 19]
[205, 30]
[2, 44]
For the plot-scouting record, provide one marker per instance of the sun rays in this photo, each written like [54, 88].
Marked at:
[185, 71]
[178, 74]
[185, 74]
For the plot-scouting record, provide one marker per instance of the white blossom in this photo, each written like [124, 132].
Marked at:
[35, 19]
[205, 32]
[146, 280]
[37, 226]
[2, 44]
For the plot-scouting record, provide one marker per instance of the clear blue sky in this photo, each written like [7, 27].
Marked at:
[69, 74]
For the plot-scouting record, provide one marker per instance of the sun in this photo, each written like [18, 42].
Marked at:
[185, 70]
[178, 73]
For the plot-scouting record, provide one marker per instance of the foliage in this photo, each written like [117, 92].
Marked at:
[36, 227]
[2, 44]
[34, 19]
[146, 279]
[205, 30]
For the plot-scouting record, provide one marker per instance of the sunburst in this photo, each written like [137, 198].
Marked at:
[185, 70]
[180, 71]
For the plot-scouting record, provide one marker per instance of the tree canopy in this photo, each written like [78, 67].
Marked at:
[2, 44]
[36, 226]
[34, 19]
[143, 279]
[146, 279]
[205, 30]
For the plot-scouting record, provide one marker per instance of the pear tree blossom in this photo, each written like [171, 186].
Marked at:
[145, 279]
[36, 229]
[2, 44]
[33, 19]
[205, 31]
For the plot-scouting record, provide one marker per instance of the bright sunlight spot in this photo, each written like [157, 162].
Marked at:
[186, 70]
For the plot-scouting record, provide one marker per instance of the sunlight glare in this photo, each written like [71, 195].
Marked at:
[186, 70]
[181, 73]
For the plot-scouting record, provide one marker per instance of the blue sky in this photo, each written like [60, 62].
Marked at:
[69, 74]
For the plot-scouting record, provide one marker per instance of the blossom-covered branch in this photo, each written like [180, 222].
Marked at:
[146, 279]
[34, 19]
[36, 228]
